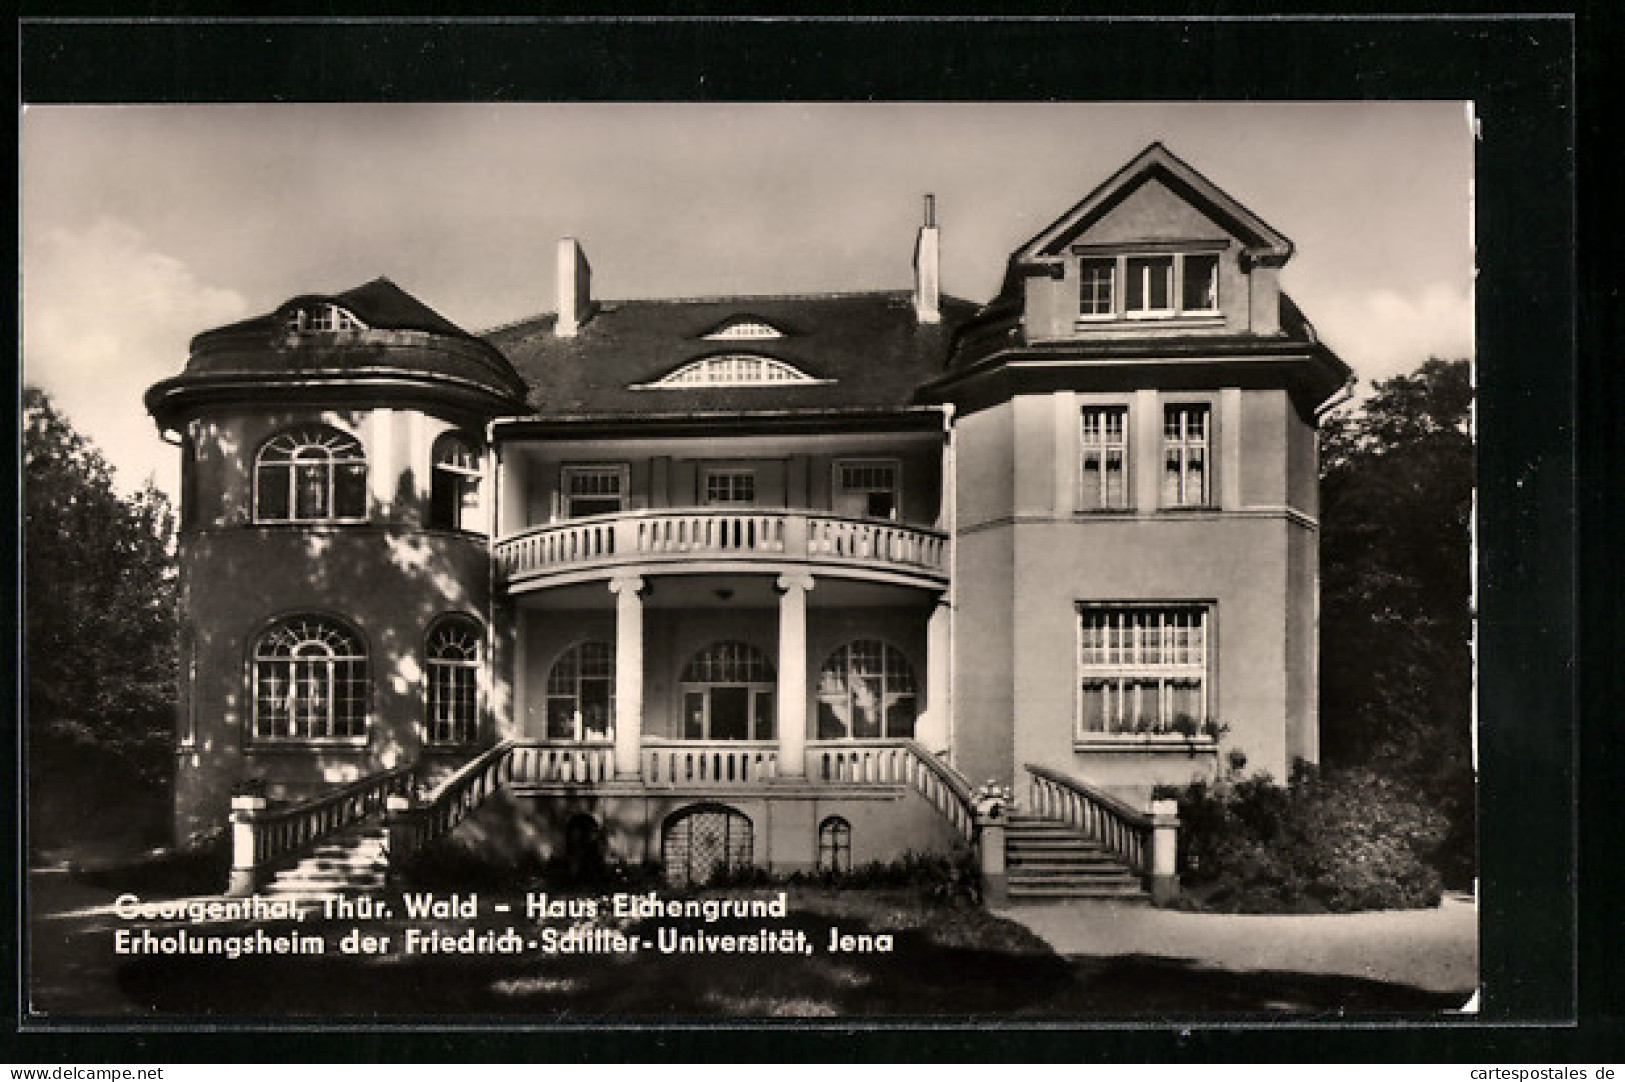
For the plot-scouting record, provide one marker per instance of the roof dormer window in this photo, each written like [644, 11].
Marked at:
[322, 318]
[1148, 285]
[744, 328]
[732, 370]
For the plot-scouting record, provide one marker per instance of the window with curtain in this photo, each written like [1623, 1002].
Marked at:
[867, 690]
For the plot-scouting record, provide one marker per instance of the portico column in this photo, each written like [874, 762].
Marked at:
[628, 675]
[793, 674]
[933, 728]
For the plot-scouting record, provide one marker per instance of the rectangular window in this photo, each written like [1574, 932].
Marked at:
[1150, 285]
[1097, 277]
[1199, 292]
[1143, 670]
[594, 490]
[730, 488]
[1185, 473]
[866, 489]
[1105, 457]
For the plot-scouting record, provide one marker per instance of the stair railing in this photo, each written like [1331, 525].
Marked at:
[262, 835]
[946, 788]
[414, 824]
[1124, 830]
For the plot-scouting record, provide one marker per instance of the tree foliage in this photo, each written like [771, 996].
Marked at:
[1396, 590]
[100, 624]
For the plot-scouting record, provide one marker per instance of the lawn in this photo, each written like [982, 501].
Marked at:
[949, 961]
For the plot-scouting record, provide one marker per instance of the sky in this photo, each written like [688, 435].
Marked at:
[144, 225]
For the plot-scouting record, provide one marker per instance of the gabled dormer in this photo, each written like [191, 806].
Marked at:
[1156, 250]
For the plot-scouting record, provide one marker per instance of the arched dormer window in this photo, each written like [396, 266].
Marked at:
[743, 328]
[321, 318]
[310, 474]
[452, 664]
[732, 370]
[310, 681]
[455, 496]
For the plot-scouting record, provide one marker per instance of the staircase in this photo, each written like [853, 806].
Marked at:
[352, 861]
[1048, 860]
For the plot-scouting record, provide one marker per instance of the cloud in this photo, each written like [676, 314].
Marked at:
[105, 314]
[1383, 332]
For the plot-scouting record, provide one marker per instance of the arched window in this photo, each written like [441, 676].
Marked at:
[733, 370]
[728, 694]
[581, 693]
[867, 690]
[455, 498]
[452, 656]
[311, 474]
[310, 681]
[699, 842]
[835, 845]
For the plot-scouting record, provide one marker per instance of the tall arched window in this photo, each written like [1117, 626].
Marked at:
[581, 693]
[310, 474]
[728, 694]
[310, 681]
[867, 690]
[455, 497]
[452, 657]
[835, 845]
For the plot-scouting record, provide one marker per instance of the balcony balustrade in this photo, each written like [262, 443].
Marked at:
[655, 537]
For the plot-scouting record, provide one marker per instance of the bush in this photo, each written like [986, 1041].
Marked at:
[1357, 840]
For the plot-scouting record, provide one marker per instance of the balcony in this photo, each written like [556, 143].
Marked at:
[705, 539]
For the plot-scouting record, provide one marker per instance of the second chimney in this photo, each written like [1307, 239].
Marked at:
[572, 279]
[927, 287]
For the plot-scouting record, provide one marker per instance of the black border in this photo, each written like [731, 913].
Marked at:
[1522, 73]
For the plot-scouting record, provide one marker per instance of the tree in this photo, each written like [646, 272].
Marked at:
[99, 631]
[1396, 588]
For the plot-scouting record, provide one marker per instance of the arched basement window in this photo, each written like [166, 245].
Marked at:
[581, 693]
[455, 497]
[867, 690]
[452, 664]
[728, 694]
[310, 681]
[310, 474]
[835, 845]
[698, 843]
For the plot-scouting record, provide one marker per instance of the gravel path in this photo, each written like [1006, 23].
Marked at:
[1431, 949]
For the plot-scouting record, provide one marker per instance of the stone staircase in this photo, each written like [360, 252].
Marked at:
[1047, 860]
[353, 861]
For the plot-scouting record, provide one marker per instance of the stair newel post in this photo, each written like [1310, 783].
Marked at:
[245, 855]
[402, 818]
[992, 802]
[1163, 878]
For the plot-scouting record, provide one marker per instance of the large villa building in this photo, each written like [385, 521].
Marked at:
[767, 580]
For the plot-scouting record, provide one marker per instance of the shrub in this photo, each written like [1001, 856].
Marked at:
[1357, 840]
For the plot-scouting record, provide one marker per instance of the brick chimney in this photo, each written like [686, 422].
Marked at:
[572, 280]
[927, 286]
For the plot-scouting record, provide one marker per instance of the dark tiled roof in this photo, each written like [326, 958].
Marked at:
[380, 304]
[868, 346]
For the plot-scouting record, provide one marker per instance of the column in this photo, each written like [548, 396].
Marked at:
[793, 674]
[628, 675]
[933, 729]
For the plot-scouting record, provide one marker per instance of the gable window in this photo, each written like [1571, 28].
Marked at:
[732, 370]
[319, 318]
[310, 681]
[1143, 669]
[1098, 277]
[314, 474]
[730, 487]
[866, 689]
[452, 656]
[594, 490]
[1199, 292]
[581, 693]
[727, 693]
[866, 489]
[1150, 286]
[455, 492]
[1185, 473]
[1105, 457]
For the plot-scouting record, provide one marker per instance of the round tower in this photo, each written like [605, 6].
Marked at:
[334, 568]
